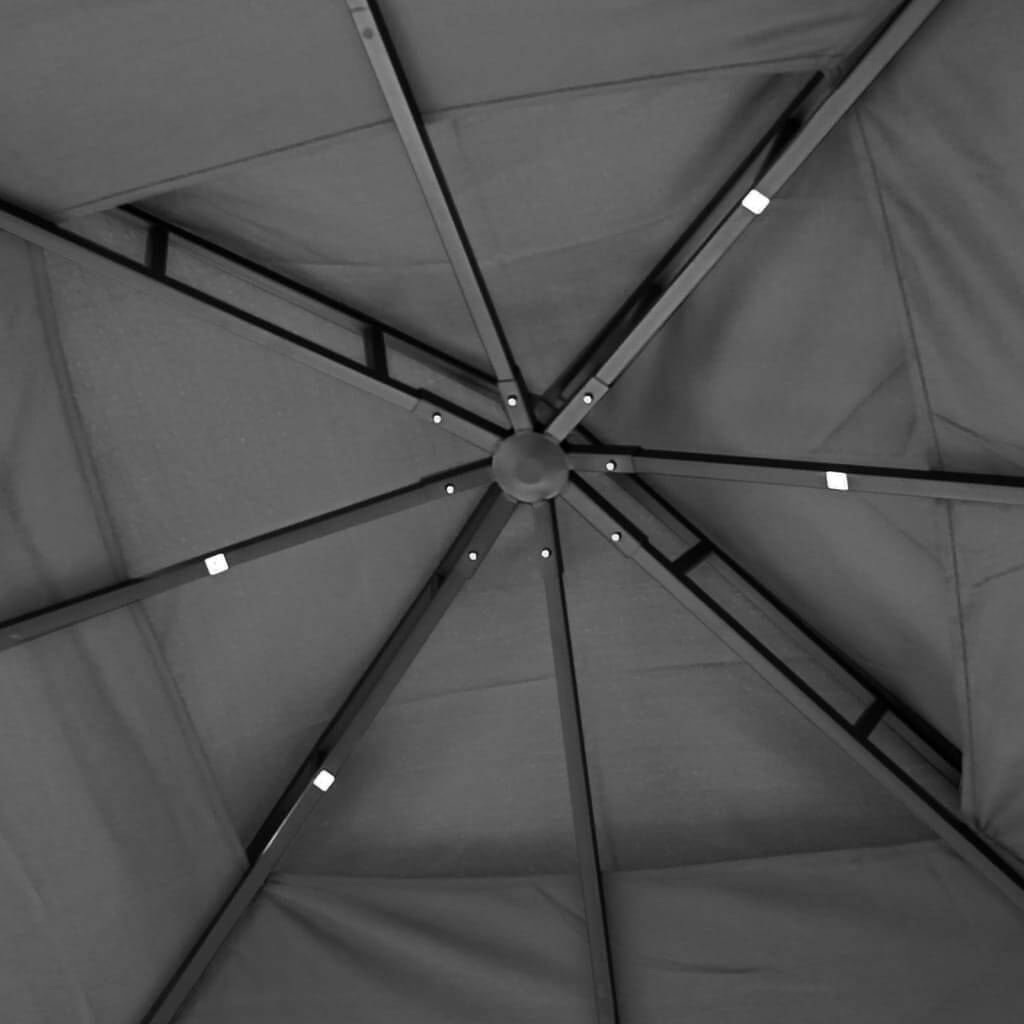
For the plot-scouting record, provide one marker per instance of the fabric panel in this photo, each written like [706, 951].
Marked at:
[990, 556]
[266, 653]
[944, 132]
[437, 951]
[571, 199]
[904, 934]
[795, 345]
[871, 573]
[202, 438]
[51, 543]
[112, 853]
[470, 52]
[909, 934]
[346, 217]
[694, 758]
[463, 772]
[105, 98]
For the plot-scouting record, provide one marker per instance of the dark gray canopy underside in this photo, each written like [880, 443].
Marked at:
[753, 872]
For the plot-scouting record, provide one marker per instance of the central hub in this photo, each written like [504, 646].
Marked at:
[530, 467]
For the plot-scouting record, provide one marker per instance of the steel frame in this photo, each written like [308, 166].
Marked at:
[157, 282]
[607, 369]
[916, 483]
[787, 145]
[853, 737]
[99, 602]
[587, 855]
[380, 49]
[340, 738]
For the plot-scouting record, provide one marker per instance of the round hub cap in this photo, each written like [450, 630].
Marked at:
[530, 467]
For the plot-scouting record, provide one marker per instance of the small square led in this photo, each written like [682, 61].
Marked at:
[216, 564]
[324, 781]
[837, 481]
[756, 202]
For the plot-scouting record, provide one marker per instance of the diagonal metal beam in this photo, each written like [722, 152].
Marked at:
[853, 737]
[874, 59]
[153, 281]
[380, 48]
[655, 504]
[339, 739]
[550, 548]
[68, 613]
[163, 234]
[837, 476]
[586, 363]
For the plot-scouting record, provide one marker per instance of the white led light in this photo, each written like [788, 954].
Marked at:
[437, 417]
[756, 202]
[473, 556]
[610, 465]
[545, 552]
[616, 536]
[588, 399]
[216, 564]
[324, 781]
[449, 488]
[837, 481]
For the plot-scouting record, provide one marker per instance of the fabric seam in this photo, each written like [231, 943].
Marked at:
[969, 793]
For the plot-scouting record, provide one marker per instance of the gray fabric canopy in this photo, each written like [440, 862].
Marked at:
[511, 511]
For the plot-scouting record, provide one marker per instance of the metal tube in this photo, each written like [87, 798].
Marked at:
[339, 739]
[588, 858]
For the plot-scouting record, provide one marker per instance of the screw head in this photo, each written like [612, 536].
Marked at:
[473, 556]
[610, 465]
[437, 417]
[545, 552]
[616, 536]
[449, 488]
[588, 399]
[512, 401]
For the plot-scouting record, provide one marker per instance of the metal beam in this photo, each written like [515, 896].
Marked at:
[837, 476]
[875, 58]
[340, 738]
[68, 613]
[444, 364]
[632, 309]
[848, 735]
[93, 256]
[655, 504]
[380, 48]
[550, 550]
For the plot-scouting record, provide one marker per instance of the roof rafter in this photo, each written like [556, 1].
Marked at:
[164, 234]
[549, 547]
[340, 738]
[837, 476]
[39, 623]
[853, 737]
[384, 59]
[155, 281]
[656, 505]
[632, 309]
[874, 59]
